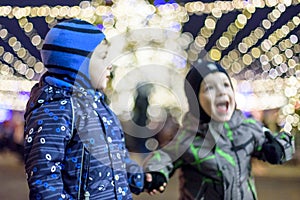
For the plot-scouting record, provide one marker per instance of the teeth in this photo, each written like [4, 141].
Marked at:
[222, 104]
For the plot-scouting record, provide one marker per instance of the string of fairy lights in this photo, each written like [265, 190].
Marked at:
[266, 51]
[277, 56]
[228, 36]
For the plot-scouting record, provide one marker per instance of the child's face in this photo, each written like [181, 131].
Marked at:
[216, 96]
[99, 69]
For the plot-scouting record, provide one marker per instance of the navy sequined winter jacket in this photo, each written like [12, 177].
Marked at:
[74, 144]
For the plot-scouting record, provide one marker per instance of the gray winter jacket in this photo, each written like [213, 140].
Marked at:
[215, 158]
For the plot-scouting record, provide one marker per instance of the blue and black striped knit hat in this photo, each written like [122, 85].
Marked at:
[66, 52]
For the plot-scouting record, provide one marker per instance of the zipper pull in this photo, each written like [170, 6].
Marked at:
[86, 195]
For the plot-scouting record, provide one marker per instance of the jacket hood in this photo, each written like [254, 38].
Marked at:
[66, 52]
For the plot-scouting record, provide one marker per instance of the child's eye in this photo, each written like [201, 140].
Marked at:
[207, 88]
[227, 84]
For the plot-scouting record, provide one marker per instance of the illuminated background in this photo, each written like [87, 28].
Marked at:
[256, 41]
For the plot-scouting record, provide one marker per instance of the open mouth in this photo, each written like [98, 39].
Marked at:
[222, 107]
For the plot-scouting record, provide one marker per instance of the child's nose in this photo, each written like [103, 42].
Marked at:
[221, 90]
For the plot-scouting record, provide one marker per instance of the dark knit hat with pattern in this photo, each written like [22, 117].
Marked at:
[67, 49]
[198, 71]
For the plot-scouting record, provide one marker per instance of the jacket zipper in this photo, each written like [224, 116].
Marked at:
[84, 174]
[201, 192]
[80, 175]
[238, 182]
[83, 158]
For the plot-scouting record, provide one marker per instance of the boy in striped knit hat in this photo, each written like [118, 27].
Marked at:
[74, 144]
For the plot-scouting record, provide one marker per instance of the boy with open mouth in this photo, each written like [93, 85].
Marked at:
[215, 145]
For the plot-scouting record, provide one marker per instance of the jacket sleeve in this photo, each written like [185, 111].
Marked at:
[47, 131]
[160, 161]
[278, 148]
[171, 156]
[135, 175]
[270, 147]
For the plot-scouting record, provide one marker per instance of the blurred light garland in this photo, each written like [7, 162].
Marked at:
[149, 33]
[13, 90]
[197, 47]
[238, 59]
[27, 62]
[227, 37]
[265, 52]
[275, 54]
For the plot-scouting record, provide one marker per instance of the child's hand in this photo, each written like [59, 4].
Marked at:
[272, 149]
[155, 182]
